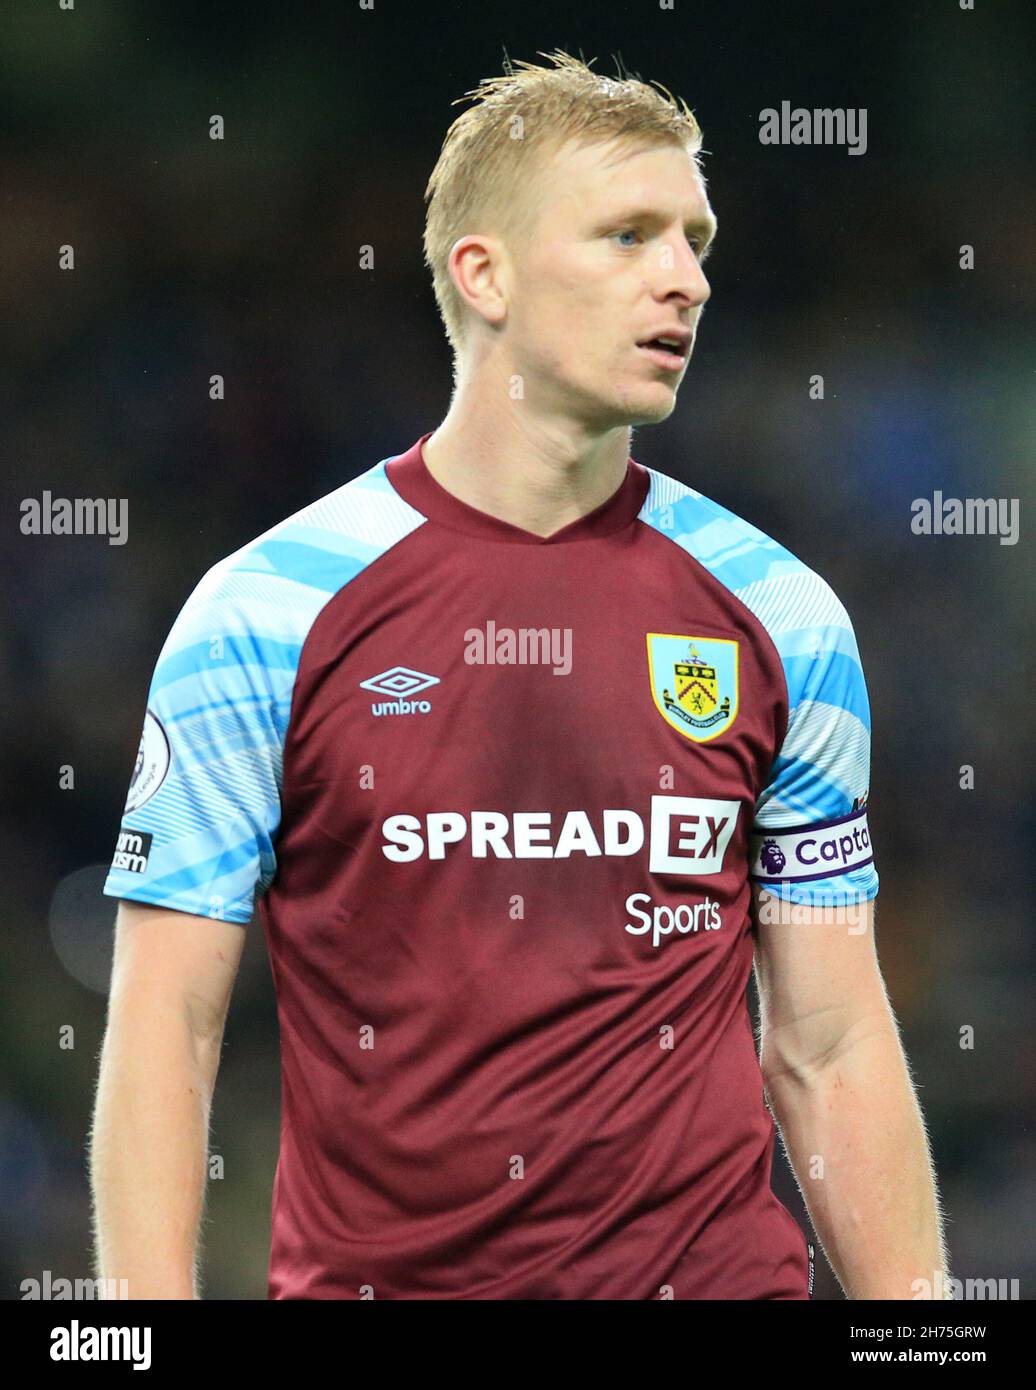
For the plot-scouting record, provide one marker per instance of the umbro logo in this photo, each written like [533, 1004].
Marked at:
[400, 683]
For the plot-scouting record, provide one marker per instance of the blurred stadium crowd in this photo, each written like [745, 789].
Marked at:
[240, 257]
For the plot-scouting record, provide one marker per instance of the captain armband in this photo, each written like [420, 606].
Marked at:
[798, 854]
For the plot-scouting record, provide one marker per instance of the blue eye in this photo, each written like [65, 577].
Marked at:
[695, 242]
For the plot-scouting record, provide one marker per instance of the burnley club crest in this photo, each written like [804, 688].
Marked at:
[694, 683]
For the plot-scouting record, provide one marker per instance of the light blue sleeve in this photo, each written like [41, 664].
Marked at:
[811, 842]
[203, 806]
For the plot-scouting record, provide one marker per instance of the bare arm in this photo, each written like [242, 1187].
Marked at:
[839, 1085]
[172, 977]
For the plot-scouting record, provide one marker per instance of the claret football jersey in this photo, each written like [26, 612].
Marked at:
[498, 801]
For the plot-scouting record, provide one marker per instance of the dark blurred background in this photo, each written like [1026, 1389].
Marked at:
[241, 257]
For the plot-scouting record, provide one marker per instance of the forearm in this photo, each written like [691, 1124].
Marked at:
[149, 1148]
[856, 1142]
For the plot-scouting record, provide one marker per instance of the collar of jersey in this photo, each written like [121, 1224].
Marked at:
[408, 473]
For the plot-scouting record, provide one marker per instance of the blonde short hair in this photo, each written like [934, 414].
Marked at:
[517, 121]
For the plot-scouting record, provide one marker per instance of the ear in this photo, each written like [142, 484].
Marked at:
[478, 267]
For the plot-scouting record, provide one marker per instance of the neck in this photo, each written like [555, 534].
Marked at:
[535, 470]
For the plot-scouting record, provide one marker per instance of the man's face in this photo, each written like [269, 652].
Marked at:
[611, 261]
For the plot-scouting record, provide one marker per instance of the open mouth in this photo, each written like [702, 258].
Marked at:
[670, 353]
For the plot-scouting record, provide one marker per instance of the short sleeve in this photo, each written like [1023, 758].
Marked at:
[203, 807]
[811, 841]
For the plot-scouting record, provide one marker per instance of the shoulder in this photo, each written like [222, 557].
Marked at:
[321, 546]
[276, 584]
[798, 608]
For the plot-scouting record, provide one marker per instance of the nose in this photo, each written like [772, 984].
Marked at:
[681, 274]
